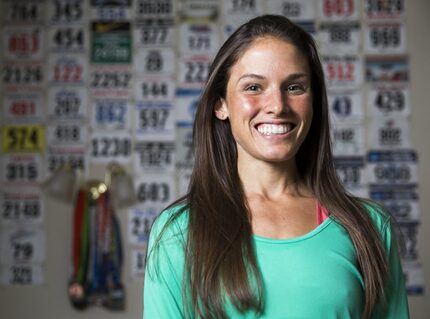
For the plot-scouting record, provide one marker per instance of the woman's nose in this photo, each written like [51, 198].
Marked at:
[277, 102]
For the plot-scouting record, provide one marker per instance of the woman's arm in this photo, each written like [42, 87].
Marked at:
[396, 306]
[162, 293]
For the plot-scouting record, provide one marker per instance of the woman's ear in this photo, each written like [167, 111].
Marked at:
[221, 110]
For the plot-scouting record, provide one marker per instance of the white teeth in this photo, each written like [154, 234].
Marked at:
[272, 129]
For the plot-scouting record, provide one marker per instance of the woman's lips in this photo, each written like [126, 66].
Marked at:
[269, 129]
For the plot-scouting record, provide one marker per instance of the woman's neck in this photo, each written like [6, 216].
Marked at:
[270, 180]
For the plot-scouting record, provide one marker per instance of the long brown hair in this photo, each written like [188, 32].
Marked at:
[220, 261]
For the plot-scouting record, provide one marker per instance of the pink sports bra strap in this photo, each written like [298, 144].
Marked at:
[322, 213]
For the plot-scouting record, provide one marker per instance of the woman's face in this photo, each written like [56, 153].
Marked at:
[268, 101]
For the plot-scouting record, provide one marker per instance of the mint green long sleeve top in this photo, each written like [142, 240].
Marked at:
[312, 276]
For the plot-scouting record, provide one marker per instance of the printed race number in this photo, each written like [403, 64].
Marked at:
[22, 75]
[67, 39]
[377, 9]
[155, 88]
[351, 171]
[343, 71]
[22, 274]
[295, 10]
[22, 107]
[155, 190]
[154, 33]
[110, 81]
[336, 10]
[402, 203]
[21, 168]
[158, 156]
[199, 38]
[67, 103]
[345, 106]
[23, 42]
[110, 114]
[66, 11]
[193, 71]
[138, 258]
[184, 151]
[385, 38]
[139, 224]
[22, 245]
[155, 61]
[154, 121]
[22, 11]
[392, 132]
[58, 156]
[66, 133]
[397, 167]
[23, 138]
[388, 100]
[160, 9]
[237, 11]
[342, 38]
[23, 206]
[67, 69]
[348, 138]
[107, 147]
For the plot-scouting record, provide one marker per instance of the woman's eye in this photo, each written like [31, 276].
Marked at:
[252, 87]
[296, 88]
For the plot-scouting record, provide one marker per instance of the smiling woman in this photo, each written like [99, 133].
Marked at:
[266, 229]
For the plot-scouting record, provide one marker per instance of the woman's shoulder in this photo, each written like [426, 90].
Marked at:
[380, 217]
[171, 222]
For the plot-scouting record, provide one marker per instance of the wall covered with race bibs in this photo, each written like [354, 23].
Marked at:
[90, 83]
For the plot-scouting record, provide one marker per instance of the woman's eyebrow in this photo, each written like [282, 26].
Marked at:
[290, 77]
[252, 76]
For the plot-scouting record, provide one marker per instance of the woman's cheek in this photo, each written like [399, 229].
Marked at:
[249, 104]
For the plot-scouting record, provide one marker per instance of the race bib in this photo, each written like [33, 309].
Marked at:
[67, 69]
[199, 38]
[392, 132]
[295, 10]
[29, 138]
[385, 38]
[22, 107]
[398, 167]
[110, 114]
[343, 71]
[338, 10]
[154, 33]
[376, 9]
[23, 42]
[22, 169]
[66, 133]
[22, 245]
[69, 103]
[348, 138]
[154, 156]
[66, 11]
[339, 38]
[154, 121]
[345, 106]
[402, 203]
[155, 190]
[155, 88]
[388, 100]
[23, 11]
[110, 146]
[23, 206]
